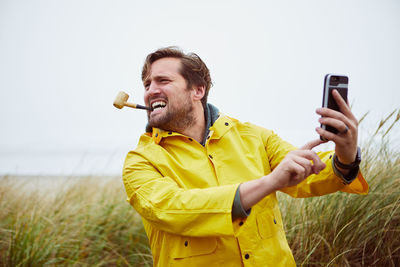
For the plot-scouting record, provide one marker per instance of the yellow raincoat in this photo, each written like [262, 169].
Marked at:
[184, 192]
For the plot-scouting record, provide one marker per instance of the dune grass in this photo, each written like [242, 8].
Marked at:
[351, 230]
[88, 222]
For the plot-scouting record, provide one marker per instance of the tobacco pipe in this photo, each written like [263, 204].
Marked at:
[121, 101]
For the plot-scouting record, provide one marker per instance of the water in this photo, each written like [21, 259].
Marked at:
[62, 163]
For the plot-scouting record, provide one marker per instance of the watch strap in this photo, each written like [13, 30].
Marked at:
[350, 177]
[350, 166]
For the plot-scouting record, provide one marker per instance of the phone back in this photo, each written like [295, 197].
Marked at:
[331, 82]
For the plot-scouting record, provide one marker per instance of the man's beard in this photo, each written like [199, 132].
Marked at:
[175, 119]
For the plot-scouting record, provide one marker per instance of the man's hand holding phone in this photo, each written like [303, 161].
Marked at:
[347, 125]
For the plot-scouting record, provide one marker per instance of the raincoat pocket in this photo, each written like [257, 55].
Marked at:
[269, 222]
[189, 250]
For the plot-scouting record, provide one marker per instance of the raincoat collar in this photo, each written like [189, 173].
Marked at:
[211, 114]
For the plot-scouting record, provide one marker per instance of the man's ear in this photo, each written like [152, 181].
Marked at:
[198, 92]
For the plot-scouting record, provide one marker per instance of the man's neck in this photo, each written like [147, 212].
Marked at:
[196, 131]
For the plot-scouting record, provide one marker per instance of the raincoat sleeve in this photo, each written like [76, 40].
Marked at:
[190, 212]
[317, 184]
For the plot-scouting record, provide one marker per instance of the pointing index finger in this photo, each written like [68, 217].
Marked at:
[317, 164]
[310, 145]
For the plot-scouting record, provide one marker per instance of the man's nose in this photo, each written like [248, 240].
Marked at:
[153, 89]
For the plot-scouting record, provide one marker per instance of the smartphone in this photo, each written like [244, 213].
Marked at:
[331, 82]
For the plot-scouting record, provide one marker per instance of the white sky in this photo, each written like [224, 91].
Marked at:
[63, 62]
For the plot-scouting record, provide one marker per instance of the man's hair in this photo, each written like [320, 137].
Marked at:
[193, 69]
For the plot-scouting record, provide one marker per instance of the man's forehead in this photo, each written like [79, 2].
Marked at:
[165, 67]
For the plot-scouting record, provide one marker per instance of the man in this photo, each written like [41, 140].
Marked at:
[205, 184]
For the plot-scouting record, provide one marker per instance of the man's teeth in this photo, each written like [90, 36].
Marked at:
[158, 104]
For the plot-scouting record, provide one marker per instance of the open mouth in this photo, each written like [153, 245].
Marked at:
[158, 105]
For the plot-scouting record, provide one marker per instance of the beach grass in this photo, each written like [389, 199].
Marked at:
[82, 223]
[86, 221]
[352, 230]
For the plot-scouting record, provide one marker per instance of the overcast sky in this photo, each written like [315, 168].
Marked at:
[63, 62]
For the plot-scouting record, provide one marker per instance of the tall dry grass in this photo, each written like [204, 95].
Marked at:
[89, 223]
[351, 230]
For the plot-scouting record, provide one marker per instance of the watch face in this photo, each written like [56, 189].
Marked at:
[358, 156]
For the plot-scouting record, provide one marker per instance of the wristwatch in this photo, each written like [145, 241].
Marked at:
[353, 168]
[350, 166]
